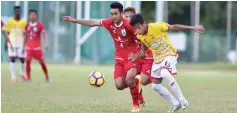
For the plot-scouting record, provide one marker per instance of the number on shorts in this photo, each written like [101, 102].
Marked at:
[167, 64]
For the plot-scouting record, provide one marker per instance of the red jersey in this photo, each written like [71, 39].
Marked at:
[2, 24]
[33, 34]
[124, 37]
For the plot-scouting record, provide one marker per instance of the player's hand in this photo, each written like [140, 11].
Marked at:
[199, 29]
[23, 51]
[46, 47]
[133, 57]
[142, 54]
[12, 48]
[68, 18]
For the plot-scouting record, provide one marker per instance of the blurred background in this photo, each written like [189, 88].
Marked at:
[70, 43]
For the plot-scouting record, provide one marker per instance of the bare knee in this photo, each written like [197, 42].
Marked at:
[22, 60]
[157, 80]
[145, 80]
[41, 61]
[119, 83]
[119, 87]
[131, 74]
[13, 59]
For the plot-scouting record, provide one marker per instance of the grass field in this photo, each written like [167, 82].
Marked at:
[209, 89]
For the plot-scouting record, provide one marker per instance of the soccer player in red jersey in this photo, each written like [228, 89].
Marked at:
[33, 31]
[146, 63]
[6, 35]
[124, 37]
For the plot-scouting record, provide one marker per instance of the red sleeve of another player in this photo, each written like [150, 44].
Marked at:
[2, 24]
[131, 29]
[105, 23]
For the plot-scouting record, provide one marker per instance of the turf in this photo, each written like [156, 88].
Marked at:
[208, 91]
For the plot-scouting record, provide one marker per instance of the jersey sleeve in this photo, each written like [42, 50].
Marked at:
[105, 23]
[9, 26]
[2, 24]
[162, 26]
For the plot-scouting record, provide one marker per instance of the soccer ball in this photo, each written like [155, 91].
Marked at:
[96, 79]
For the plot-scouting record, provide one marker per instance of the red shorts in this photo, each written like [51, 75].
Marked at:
[37, 54]
[121, 68]
[146, 65]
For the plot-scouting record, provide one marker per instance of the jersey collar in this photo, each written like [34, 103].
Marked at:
[33, 24]
[119, 24]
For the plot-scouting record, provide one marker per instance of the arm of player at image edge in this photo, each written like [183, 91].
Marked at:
[90, 23]
[7, 39]
[44, 34]
[198, 28]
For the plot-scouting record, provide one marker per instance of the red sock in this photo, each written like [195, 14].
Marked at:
[134, 93]
[28, 69]
[137, 81]
[43, 66]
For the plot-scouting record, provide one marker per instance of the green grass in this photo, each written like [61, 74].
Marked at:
[208, 91]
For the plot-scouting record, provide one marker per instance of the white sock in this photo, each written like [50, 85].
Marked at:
[172, 83]
[164, 93]
[12, 70]
[22, 70]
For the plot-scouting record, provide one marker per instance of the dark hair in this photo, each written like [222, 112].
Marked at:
[17, 7]
[137, 19]
[32, 11]
[132, 9]
[116, 5]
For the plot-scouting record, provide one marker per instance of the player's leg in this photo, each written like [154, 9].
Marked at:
[119, 76]
[40, 57]
[12, 57]
[134, 84]
[160, 89]
[21, 57]
[166, 72]
[29, 55]
[120, 83]
[146, 71]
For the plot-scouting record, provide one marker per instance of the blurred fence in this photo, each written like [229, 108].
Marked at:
[99, 47]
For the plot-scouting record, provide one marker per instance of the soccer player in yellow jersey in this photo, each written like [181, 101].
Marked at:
[154, 36]
[15, 27]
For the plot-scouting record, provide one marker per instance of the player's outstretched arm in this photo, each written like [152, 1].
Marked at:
[198, 28]
[90, 23]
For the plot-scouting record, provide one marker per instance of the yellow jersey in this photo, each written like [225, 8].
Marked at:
[158, 41]
[16, 31]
